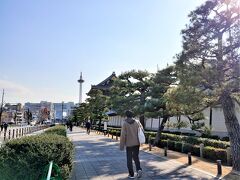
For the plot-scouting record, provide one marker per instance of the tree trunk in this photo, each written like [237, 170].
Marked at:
[233, 129]
[160, 129]
[99, 124]
[142, 119]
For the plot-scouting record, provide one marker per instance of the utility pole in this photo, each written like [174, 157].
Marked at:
[1, 109]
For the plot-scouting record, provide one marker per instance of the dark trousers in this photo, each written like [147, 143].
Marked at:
[133, 154]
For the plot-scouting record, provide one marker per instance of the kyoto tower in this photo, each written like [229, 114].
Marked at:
[80, 88]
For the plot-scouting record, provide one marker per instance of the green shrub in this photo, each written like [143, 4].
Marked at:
[59, 130]
[216, 143]
[171, 144]
[195, 150]
[163, 143]
[215, 154]
[187, 148]
[25, 158]
[178, 146]
[226, 138]
[172, 137]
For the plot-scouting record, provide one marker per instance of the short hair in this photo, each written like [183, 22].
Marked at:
[129, 114]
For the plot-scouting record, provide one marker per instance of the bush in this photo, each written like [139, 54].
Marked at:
[25, 158]
[226, 138]
[178, 146]
[215, 154]
[59, 130]
[163, 143]
[195, 150]
[171, 145]
[187, 148]
[215, 143]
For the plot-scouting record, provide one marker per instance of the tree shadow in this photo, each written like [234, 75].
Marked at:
[103, 159]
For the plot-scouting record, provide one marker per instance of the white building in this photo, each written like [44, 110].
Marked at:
[213, 120]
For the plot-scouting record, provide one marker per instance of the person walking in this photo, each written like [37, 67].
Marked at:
[5, 126]
[88, 126]
[1, 129]
[70, 125]
[129, 139]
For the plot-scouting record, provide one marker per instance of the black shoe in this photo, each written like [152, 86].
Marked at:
[139, 174]
[131, 177]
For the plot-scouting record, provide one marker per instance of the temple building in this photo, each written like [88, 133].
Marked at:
[105, 85]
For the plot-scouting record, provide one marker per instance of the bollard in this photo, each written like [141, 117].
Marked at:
[165, 151]
[150, 146]
[108, 134]
[116, 137]
[16, 133]
[219, 167]
[22, 131]
[112, 136]
[229, 161]
[189, 159]
[201, 150]
[9, 134]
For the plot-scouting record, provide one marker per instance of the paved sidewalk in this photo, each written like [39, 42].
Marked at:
[97, 157]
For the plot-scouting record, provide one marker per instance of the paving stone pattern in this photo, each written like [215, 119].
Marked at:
[98, 157]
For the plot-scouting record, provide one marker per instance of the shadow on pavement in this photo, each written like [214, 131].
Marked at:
[99, 157]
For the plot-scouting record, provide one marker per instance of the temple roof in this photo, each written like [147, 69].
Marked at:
[105, 84]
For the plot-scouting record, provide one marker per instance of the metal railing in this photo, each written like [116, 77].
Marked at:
[51, 172]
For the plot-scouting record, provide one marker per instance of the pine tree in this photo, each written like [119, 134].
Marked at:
[209, 65]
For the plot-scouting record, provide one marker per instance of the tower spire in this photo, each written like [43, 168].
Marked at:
[80, 81]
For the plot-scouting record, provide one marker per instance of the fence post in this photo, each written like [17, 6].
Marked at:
[13, 133]
[201, 150]
[219, 167]
[182, 146]
[16, 133]
[4, 138]
[149, 143]
[229, 156]
[9, 134]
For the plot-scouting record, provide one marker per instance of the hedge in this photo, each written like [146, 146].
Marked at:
[59, 130]
[25, 158]
[215, 154]
[186, 139]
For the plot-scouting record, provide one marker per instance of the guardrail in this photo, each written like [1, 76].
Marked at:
[51, 172]
[20, 131]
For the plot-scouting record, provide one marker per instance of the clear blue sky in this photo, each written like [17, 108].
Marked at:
[45, 44]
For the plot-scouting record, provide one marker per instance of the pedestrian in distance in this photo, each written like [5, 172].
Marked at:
[1, 127]
[5, 126]
[70, 124]
[88, 126]
[129, 139]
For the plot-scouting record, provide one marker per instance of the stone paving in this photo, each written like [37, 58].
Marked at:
[98, 157]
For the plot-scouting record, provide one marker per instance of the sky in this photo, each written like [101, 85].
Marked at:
[44, 45]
